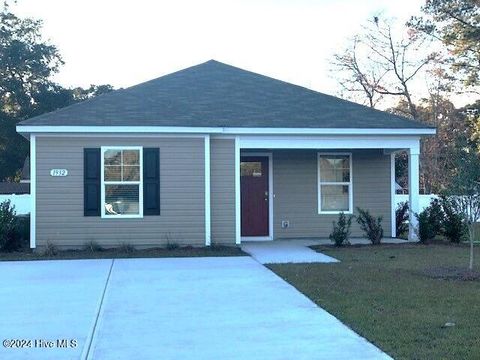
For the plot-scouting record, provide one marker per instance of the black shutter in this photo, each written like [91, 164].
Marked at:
[151, 181]
[91, 182]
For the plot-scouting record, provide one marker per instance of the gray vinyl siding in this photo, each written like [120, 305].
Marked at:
[296, 192]
[222, 182]
[60, 218]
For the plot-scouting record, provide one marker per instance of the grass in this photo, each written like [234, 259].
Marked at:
[385, 294]
[124, 251]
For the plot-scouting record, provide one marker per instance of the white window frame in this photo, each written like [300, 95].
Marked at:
[139, 183]
[349, 183]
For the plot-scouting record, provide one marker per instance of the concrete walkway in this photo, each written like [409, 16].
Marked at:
[177, 308]
[297, 250]
[285, 251]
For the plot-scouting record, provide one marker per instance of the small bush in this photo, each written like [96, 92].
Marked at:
[430, 222]
[170, 241]
[371, 226]
[93, 246]
[172, 246]
[341, 230]
[10, 237]
[50, 249]
[401, 218]
[214, 245]
[454, 227]
[126, 248]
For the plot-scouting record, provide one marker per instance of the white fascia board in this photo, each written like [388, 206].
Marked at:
[118, 129]
[329, 142]
[220, 130]
[328, 131]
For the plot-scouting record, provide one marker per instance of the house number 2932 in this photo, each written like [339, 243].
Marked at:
[58, 172]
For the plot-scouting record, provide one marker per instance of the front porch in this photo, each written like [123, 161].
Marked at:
[289, 187]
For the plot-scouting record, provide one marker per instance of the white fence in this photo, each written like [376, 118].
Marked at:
[21, 202]
[423, 201]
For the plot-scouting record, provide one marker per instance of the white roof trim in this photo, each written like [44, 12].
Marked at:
[221, 130]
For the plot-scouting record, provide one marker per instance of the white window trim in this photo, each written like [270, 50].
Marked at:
[349, 183]
[140, 183]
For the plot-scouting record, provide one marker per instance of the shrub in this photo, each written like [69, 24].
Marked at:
[215, 245]
[172, 246]
[341, 230]
[371, 226]
[50, 249]
[454, 226]
[401, 218]
[430, 222]
[126, 247]
[170, 241]
[93, 246]
[10, 237]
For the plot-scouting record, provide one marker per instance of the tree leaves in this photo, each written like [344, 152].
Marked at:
[27, 63]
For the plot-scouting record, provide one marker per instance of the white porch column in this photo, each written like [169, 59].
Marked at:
[208, 224]
[33, 191]
[413, 191]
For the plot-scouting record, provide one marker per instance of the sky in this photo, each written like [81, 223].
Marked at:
[123, 43]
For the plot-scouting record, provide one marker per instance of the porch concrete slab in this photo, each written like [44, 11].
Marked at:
[286, 251]
[49, 300]
[215, 308]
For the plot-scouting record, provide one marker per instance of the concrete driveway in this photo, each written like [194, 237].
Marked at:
[177, 308]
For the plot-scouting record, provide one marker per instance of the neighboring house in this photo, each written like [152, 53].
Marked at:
[212, 154]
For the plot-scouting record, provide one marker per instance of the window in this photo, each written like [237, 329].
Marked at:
[122, 183]
[334, 183]
[251, 168]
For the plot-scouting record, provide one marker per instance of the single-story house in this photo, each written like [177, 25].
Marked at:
[212, 154]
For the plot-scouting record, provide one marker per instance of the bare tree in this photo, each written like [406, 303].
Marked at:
[358, 79]
[380, 63]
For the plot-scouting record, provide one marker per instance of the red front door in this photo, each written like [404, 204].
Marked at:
[254, 195]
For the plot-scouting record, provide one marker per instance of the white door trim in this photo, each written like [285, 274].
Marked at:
[269, 155]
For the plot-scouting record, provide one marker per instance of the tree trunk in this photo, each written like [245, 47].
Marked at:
[472, 236]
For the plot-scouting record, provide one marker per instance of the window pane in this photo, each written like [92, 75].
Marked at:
[112, 157]
[131, 173]
[251, 168]
[113, 173]
[335, 168]
[121, 200]
[334, 197]
[131, 157]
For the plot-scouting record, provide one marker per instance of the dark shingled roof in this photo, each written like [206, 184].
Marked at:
[214, 94]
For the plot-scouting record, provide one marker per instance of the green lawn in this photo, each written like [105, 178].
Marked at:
[187, 251]
[385, 294]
